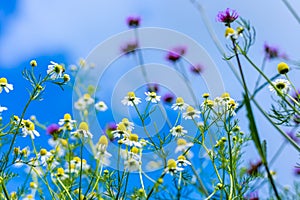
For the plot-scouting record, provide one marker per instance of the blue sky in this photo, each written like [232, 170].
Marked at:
[64, 31]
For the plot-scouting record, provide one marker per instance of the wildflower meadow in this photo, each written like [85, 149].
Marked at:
[148, 114]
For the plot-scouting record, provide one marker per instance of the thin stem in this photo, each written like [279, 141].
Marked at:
[291, 9]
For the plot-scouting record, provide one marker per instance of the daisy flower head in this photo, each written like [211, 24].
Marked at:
[101, 106]
[182, 145]
[283, 68]
[29, 197]
[129, 125]
[172, 167]
[191, 113]
[83, 130]
[132, 164]
[2, 109]
[44, 155]
[178, 131]
[55, 70]
[120, 131]
[231, 33]
[131, 99]
[152, 96]
[180, 104]
[5, 85]
[29, 129]
[182, 161]
[60, 173]
[282, 85]
[132, 140]
[67, 122]
[228, 16]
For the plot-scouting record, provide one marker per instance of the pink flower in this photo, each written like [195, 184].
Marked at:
[176, 53]
[133, 21]
[197, 69]
[228, 16]
[168, 98]
[130, 47]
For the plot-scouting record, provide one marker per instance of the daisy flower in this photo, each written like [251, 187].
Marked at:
[44, 155]
[29, 197]
[120, 131]
[282, 85]
[101, 106]
[151, 96]
[55, 70]
[102, 155]
[182, 161]
[29, 129]
[182, 145]
[132, 140]
[5, 85]
[67, 122]
[180, 105]
[172, 167]
[129, 125]
[83, 130]
[131, 99]
[191, 113]
[178, 131]
[60, 173]
[132, 164]
[2, 109]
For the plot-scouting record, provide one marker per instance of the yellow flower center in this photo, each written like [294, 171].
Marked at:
[60, 171]
[3, 82]
[179, 100]
[229, 31]
[121, 127]
[205, 95]
[76, 159]
[32, 184]
[103, 140]
[84, 126]
[134, 150]
[209, 102]
[67, 117]
[64, 142]
[171, 164]
[29, 125]
[152, 95]
[283, 68]
[131, 96]
[181, 141]
[43, 152]
[133, 137]
[225, 95]
[58, 68]
[33, 63]
[181, 157]
[232, 103]
[190, 109]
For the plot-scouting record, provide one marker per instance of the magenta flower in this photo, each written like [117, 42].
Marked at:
[168, 98]
[228, 16]
[176, 53]
[130, 47]
[52, 129]
[133, 21]
[197, 69]
[297, 171]
[110, 127]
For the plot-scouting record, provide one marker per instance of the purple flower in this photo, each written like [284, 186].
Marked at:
[254, 167]
[130, 47]
[133, 21]
[273, 52]
[168, 98]
[109, 128]
[297, 171]
[197, 69]
[176, 53]
[228, 16]
[293, 137]
[52, 129]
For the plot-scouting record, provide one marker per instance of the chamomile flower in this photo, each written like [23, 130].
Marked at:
[29, 129]
[44, 155]
[101, 106]
[2, 109]
[60, 173]
[120, 131]
[129, 125]
[152, 96]
[131, 99]
[132, 140]
[83, 130]
[178, 131]
[102, 155]
[282, 85]
[182, 161]
[132, 164]
[67, 122]
[172, 167]
[182, 145]
[191, 113]
[76, 161]
[55, 70]
[180, 104]
[5, 85]
[29, 197]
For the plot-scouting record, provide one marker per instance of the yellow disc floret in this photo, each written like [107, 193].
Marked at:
[283, 68]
